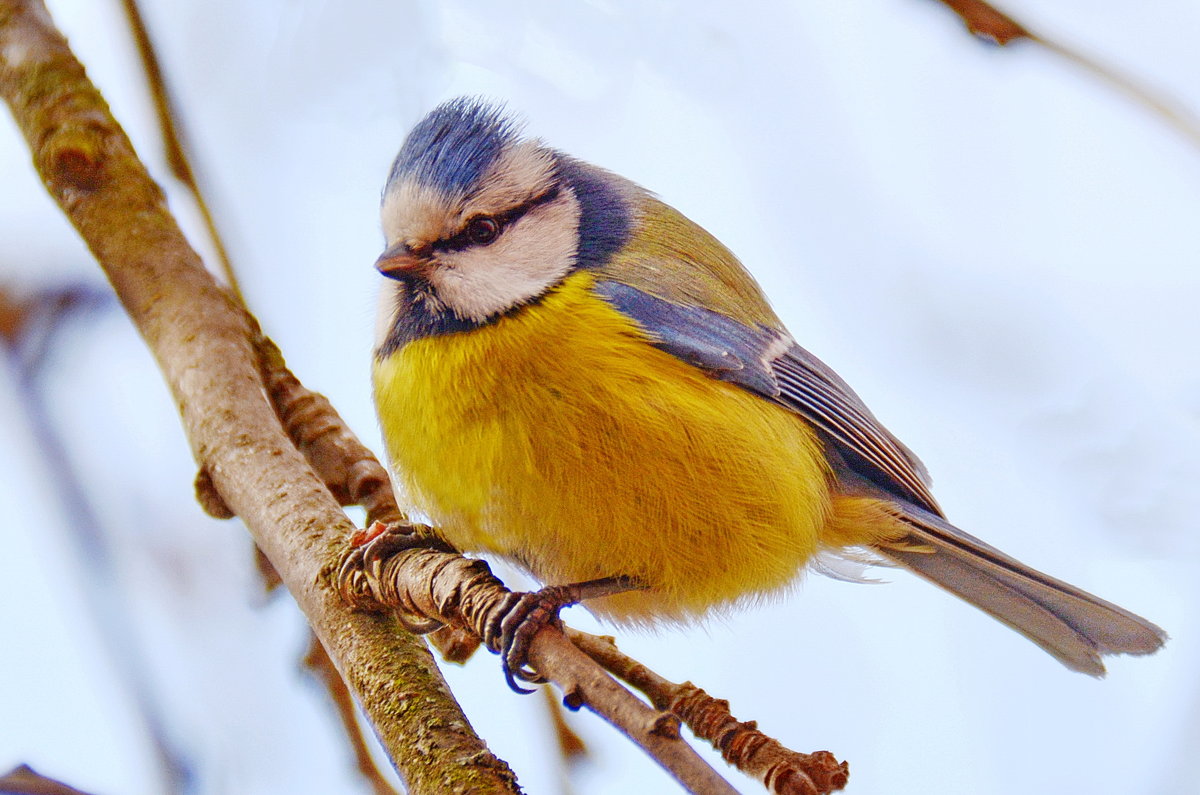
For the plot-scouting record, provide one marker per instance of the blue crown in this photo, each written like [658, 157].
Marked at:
[453, 147]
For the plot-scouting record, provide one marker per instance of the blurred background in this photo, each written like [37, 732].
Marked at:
[998, 251]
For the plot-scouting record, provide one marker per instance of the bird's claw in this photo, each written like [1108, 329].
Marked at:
[520, 623]
[526, 614]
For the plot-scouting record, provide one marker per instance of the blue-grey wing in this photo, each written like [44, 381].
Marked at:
[766, 361]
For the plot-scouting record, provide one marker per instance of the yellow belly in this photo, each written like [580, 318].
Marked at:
[558, 438]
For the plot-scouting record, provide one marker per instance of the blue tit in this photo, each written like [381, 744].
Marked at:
[574, 377]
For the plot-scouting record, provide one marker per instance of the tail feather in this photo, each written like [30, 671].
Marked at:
[1071, 624]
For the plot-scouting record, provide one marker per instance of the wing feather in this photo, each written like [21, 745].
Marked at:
[766, 361]
[809, 387]
[1071, 624]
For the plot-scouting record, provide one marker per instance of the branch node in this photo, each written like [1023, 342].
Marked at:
[209, 498]
[573, 698]
[455, 644]
[75, 159]
[665, 725]
[988, 23]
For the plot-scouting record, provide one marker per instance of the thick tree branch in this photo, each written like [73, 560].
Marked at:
[200, 338]
[317, 661]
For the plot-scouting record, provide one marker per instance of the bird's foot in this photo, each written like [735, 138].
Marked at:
[513, 629]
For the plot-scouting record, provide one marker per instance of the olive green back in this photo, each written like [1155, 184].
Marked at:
[673, 258]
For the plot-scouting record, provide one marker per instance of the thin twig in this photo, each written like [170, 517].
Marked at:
[781, 770]
[570, 744]
[174, 146]
[988, 22]
[1183, 120]
[28, 343]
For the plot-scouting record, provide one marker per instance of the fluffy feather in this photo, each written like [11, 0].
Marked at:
[558, 438]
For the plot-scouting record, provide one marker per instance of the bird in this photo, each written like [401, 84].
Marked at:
[572, 376]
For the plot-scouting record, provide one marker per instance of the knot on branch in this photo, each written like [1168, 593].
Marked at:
[987, 22]
[741, 744]
[75, 158]
[455, 644]
[209, 498]
[818, 773]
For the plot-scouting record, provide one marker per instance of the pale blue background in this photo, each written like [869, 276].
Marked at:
[997, 251]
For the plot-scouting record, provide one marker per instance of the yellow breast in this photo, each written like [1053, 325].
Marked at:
[559, 438]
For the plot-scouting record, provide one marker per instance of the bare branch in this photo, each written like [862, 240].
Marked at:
[986, 21]
[174, 144]
[389, 572]
[201, 339]
[24, 780]
[781, 770]
[347, 467]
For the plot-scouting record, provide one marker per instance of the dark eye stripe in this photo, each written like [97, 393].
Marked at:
[462, 239]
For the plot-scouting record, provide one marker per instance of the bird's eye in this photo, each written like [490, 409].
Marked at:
[482, 230]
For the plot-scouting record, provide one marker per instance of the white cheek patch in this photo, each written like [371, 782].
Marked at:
[530, 256]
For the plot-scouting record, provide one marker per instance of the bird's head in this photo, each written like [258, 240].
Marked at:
[480, 220]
